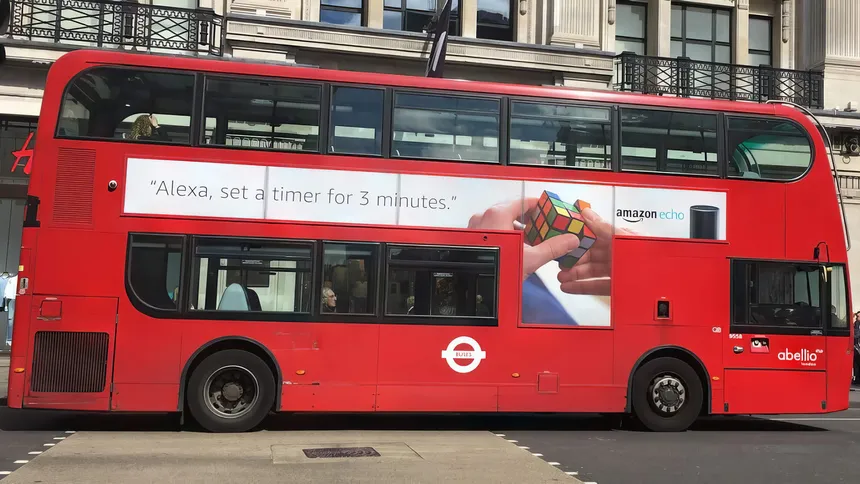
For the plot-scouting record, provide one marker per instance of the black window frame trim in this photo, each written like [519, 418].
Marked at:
[773, 118]
[189, 243]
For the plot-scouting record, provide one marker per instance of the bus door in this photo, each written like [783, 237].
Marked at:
[70, 360]
[777, 350]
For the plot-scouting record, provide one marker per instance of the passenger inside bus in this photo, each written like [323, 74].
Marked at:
[329, 300]
[146, 127]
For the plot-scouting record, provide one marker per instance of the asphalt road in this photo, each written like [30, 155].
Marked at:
[822, 449]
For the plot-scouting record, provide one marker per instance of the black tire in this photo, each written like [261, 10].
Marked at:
[243, 372]
[667, 371]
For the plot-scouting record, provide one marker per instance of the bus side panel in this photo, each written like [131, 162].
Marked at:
[693, 277]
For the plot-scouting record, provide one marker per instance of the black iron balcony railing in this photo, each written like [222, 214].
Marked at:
[684, 77]
[108, 23]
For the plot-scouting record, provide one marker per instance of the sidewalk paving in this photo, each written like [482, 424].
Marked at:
[277, 457]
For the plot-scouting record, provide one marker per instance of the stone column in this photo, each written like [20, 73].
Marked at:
[741, 34]
[783, 40]
[659, 28]
[468, 18]
[577, 23]
[375, 13]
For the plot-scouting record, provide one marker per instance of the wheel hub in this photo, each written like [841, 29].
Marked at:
[668, 394]
[232, 391]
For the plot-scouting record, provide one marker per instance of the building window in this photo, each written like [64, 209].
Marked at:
[342, 12]
[767, 148]
[154, 266]
[349, 278]
[631, 28]
[761, 41]
[416, 15]
[494, 20]
[251, 275]
[559, 135]
[262, 115]
[429, 126]
[702, 34]
[441, 281]
[669, 142]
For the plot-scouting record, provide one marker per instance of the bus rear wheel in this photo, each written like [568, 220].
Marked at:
[667, 395]
[230, 391]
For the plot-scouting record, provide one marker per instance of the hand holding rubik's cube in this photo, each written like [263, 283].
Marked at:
[553, 216]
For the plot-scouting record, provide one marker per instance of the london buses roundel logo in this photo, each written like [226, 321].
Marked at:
[474, 353]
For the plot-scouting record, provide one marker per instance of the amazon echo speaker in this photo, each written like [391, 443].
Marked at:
[704, 222]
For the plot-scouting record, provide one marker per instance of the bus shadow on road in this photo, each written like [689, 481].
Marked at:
[51, 420]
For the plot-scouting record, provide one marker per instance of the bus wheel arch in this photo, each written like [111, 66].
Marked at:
[249, 350]
[673, 359]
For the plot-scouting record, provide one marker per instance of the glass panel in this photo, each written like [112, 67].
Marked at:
[339, 17]
[348, 278]
[677, 20]
[724, 30]
[109, 102]
[259, 114]
[445, 127]
[492, 32]
[724, 54]
[549, 134]
[343, 3]
[676, 49]
[153, 272]
[237, 275]
[838, 299]
[700, 52]
[426, 5]
[759, 59]
[767, 148]
[785, 295]
[417, 21]
[760, 33]
[356, 121]
[631, 20]
[699, 23]
[494, 12]
[442, 282]
[392, 20]
[689, 141]
[393, 3]
[635, 46]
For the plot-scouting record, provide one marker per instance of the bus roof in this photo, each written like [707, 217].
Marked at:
[270, 69]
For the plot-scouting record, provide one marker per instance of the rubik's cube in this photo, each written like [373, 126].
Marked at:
[553, 216]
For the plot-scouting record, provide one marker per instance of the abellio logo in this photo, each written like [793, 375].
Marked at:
[636, 215]
[803, 356]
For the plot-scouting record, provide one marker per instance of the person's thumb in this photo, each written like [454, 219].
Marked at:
[550, 249]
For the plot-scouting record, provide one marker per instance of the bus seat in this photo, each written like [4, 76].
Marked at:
[254, 300]
[234, 298]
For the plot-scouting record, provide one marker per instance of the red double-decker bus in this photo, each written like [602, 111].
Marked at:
[231, 239]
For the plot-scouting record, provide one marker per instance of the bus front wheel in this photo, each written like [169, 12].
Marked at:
[230, 391]
[667, 395]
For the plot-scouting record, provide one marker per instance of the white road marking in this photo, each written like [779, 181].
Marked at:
[70, 431]
[59, 438]
[512, 441]
[5, 473]
[500, 435]
[21, 462]
[49, 445]
[554, 463]
[537, 455]
[35, 452]
[572, 473]
[523, 447]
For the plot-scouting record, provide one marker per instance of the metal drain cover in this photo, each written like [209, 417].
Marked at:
[335, 452]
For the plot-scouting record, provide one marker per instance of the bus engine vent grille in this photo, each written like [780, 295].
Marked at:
[70, 362]
[73, 192]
